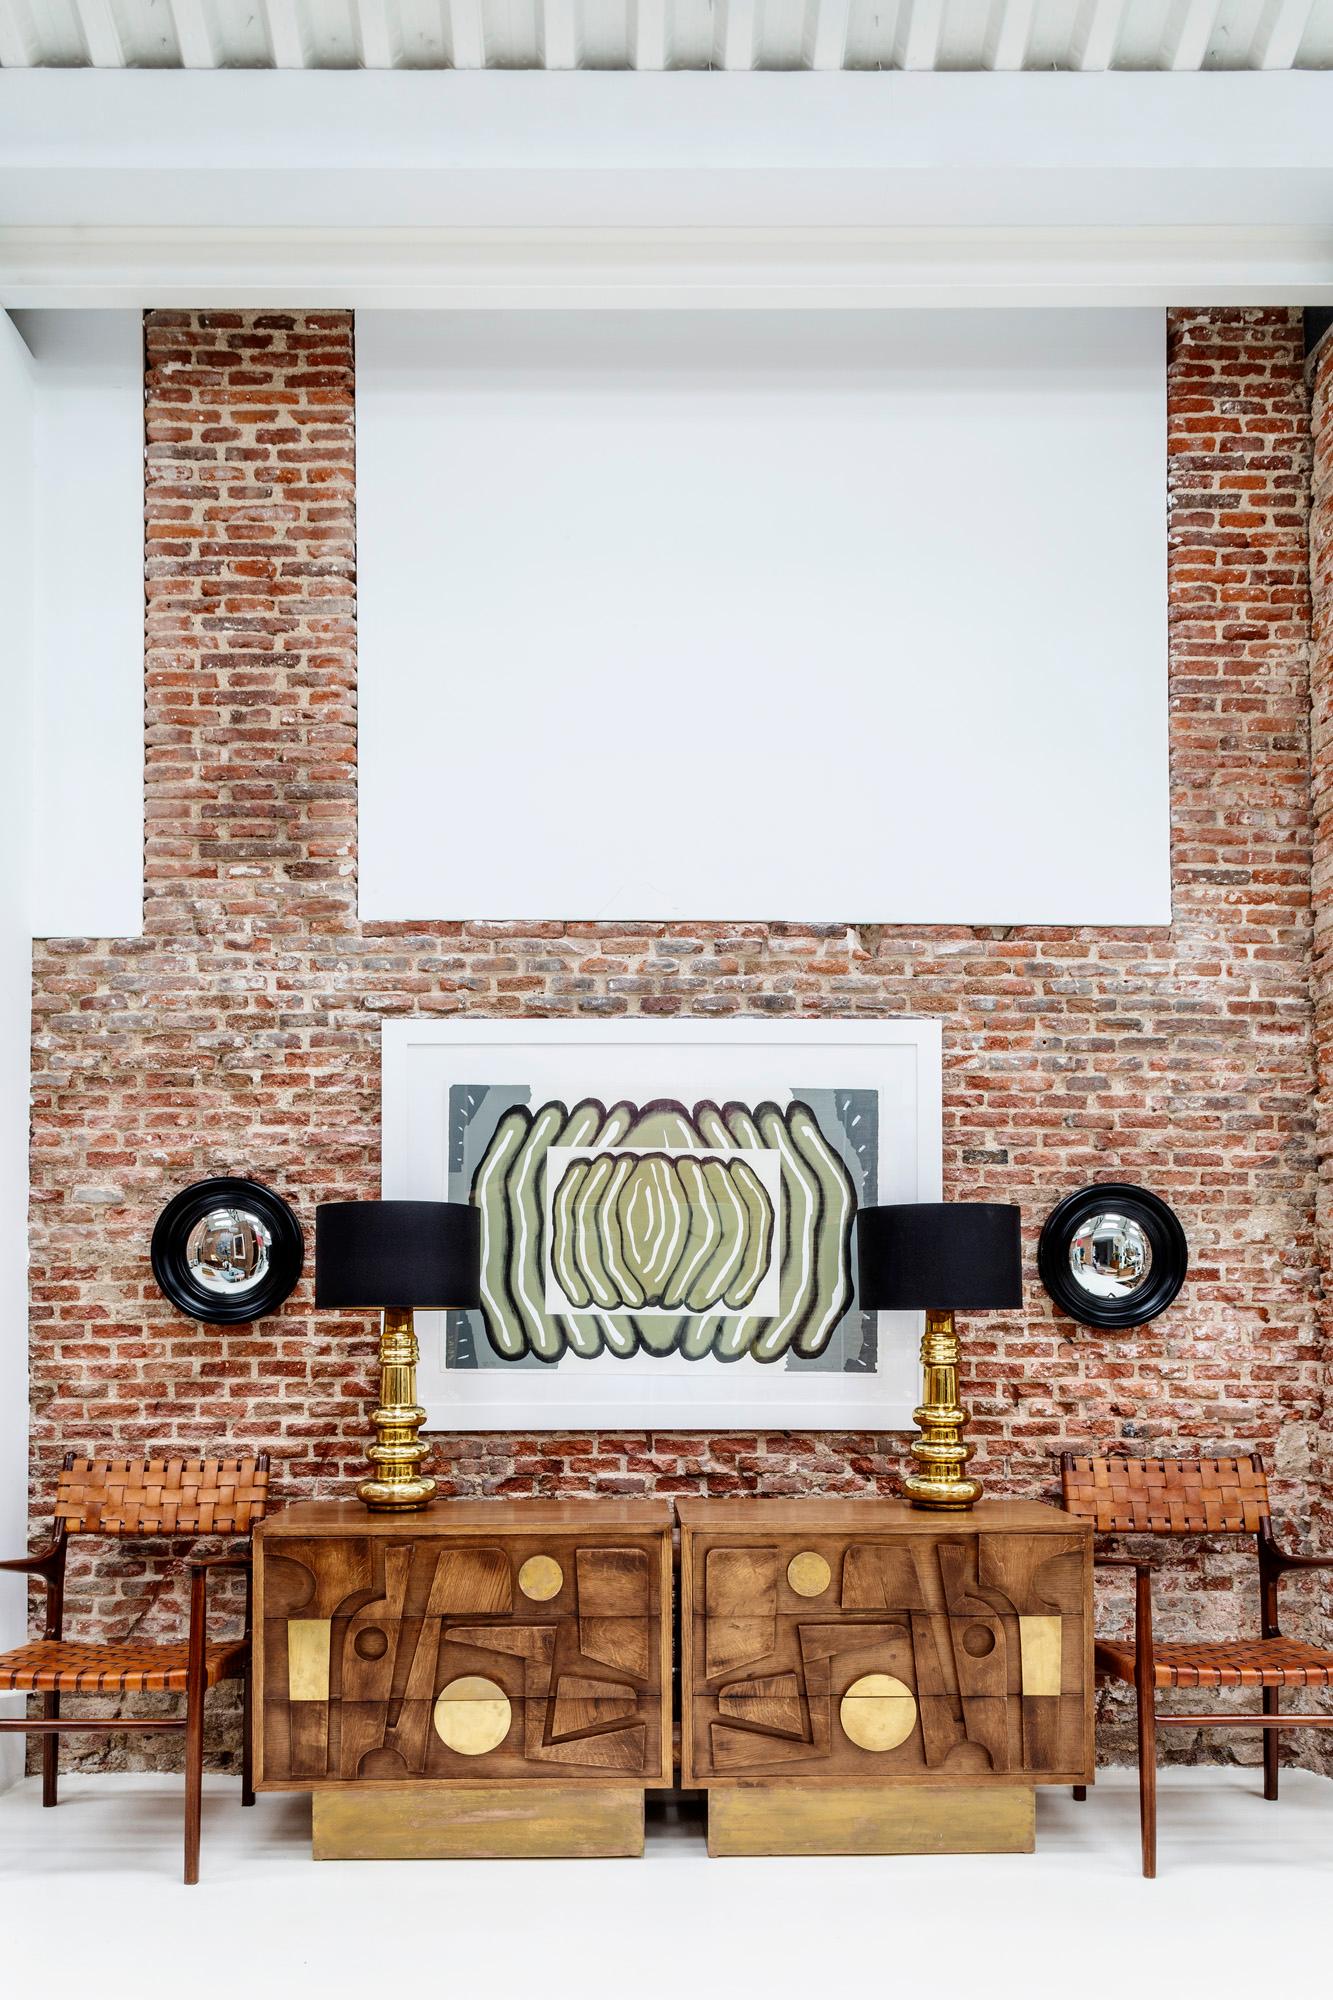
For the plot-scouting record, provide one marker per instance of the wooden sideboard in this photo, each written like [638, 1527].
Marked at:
[479, 1678]
[859, 1676]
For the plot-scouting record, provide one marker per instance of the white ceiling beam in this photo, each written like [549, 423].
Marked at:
[1008, 32]
[192, 36]
[828, 43]
[916, 38]
[1279, 34]
[1095, 33]
[649, 26]
[375, 35]
[1189, 32]
[559, 34]
[286, 37]
[467, 36]
[736, 42]
[101, 34]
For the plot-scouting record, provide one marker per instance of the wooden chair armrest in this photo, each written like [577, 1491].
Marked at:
[1142, 1567]
[37, 1564]
[1284, 1559]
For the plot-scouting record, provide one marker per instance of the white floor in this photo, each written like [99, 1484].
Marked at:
[91, 1901]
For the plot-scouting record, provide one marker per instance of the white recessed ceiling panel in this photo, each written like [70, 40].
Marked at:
[819, 616]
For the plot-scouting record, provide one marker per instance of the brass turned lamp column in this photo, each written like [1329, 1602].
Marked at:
[945, 1256]
[394, 1256]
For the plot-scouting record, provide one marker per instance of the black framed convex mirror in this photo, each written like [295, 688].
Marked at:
[1113, 1255]
[227, 1251]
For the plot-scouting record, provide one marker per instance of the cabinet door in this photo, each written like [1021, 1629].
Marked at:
[408, 1661]
[913, 1657]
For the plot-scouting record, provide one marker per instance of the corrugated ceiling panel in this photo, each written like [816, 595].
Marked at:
[671, 34]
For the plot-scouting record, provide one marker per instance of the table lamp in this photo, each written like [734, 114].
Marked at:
[394, 1256]
[945, 1256]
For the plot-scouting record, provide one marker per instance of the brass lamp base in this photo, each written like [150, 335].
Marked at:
[940, 1451]
[397, 1485]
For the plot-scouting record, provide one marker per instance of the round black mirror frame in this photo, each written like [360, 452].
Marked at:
[171, 1234]
[1161, 1226]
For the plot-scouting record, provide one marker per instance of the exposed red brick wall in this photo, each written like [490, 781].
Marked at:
[1321, 707]
[241, 1033]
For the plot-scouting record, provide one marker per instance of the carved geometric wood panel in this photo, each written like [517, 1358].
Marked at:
[945, 1655]
[416, 1659]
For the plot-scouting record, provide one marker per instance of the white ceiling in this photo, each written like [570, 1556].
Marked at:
[668, 34]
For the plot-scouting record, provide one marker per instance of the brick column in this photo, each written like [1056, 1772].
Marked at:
[1321, 759]
[250, 640]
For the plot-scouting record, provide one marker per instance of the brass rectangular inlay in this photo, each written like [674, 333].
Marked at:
[308, 1658]
[1040, 1643]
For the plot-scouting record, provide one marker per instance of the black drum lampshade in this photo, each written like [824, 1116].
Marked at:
[948, 1256]
[397, 1254]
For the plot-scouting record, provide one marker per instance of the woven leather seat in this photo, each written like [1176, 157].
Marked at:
[63, 1666]
[1238, 1663]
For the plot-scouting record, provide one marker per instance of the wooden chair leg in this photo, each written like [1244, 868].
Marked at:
[50, 1752]
[1080, 1791]
[247, 1753]
[1270, 1745]
[1147, 1706]
[194, 1780]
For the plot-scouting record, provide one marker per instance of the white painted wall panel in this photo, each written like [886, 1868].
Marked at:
[786, 616]
[16, 622]
[88, 372]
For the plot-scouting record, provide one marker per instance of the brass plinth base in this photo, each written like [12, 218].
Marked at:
[941, 1452]
[397, 1484]
[871, 1819]
[478, 1823]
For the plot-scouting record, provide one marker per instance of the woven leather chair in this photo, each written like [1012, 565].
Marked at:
[158, 1497]
[1211, 1496]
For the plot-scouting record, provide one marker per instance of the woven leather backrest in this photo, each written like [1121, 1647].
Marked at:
[1167, 1496]
[162, 1496]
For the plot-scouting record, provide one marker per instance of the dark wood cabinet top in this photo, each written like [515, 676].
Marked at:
[469, 1517]
[871, 1517]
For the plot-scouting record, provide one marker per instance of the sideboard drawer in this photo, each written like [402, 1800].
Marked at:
[408, 1656]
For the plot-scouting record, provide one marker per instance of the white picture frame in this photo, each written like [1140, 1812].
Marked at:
[868, 1382]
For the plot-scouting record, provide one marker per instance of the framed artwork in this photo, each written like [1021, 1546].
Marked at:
[668, 1216]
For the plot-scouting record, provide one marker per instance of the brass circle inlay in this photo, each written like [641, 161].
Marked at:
[878, 1712]
[541, 1577]
[808, 1574]
[472, 1715]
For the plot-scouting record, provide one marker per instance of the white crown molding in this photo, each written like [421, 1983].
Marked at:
[683, 268]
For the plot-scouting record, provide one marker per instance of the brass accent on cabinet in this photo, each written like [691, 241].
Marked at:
[878, 1712]
[478, 1822]
[308, 1658]
[1041, 1647]
[541, 1578]
[472, 1715]
[809, 1574]
[871, 1819]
